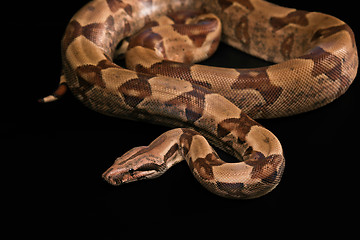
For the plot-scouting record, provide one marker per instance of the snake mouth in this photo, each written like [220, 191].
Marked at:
[112, 177]
[118, 177]
[113, 181]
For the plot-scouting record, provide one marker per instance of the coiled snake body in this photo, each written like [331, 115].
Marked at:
[316, 60]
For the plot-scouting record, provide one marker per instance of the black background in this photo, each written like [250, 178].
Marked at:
[54, 154]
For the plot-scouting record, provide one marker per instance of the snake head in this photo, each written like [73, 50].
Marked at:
[136, 164]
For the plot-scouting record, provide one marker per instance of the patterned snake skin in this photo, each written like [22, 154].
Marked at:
[316, 60]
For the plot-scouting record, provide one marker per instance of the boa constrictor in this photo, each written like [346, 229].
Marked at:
[316, 60]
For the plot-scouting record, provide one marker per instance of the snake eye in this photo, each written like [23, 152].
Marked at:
[131, 171]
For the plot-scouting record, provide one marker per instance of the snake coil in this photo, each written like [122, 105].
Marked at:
[316, 61]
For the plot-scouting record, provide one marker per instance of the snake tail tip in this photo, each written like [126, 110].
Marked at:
[50, 98]
[59, 92]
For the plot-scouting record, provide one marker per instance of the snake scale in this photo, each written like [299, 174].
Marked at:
[315, 60]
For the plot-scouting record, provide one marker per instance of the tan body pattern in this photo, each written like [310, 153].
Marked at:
[316, 60]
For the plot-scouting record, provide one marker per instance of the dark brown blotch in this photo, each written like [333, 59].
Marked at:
[83, 87]
[186, 140]
[194, 102]
[268, 169]
[148, 39]
[233, 189]
[174, 148]
[168, 68]
[326, 32]
[94, 32]
[180, 16]
[325, 63]
[204, 166]
[136, 90]
[259, 80]
[198, 31]
[172, 69]
[115, 5]
[239, 127]
[227, 3]
[92, 74]
[73, 30]
[297, 17]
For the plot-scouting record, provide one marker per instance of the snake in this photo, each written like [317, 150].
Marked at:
[314, 59]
